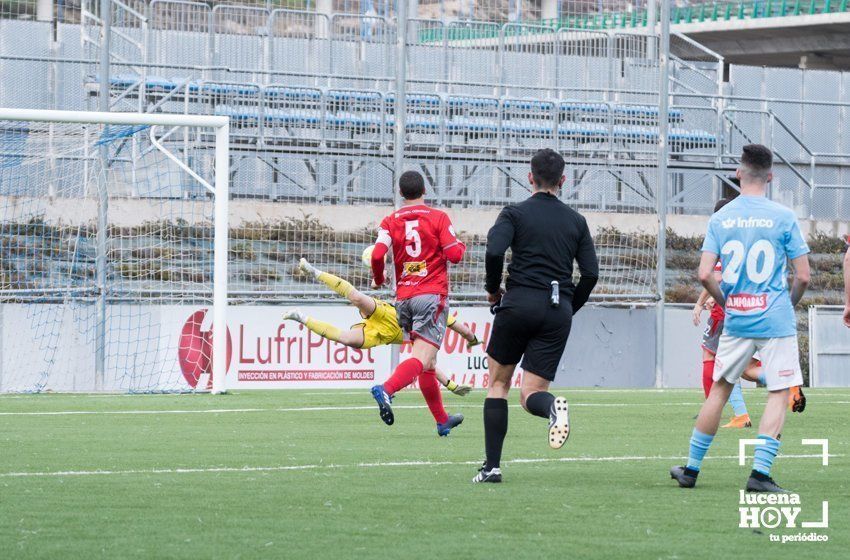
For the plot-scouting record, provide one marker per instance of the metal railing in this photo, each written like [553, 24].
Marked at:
[608, 68]
[731, 151]
[489, 56]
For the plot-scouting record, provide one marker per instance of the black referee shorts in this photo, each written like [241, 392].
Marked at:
[527, 325]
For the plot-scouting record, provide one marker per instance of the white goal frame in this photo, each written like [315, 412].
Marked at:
[219, 190]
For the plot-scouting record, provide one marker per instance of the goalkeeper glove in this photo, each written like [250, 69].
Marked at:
[474, 342]
[459, 390]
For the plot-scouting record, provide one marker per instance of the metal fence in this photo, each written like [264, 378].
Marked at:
[593, 90]
[829, 347]
[326, 110]
[314, 103]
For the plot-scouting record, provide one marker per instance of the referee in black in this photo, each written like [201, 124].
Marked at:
[534, 315]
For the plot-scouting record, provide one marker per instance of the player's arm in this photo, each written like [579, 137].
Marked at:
[464, 331]
[382, 247]
[802, 277]
[588, 267]
[700, 305]
[704, 300]
[708, 279]
[453, 248]
[499, 238]
[456, 388]
[797, 251]
[847, 288]
[708, 263]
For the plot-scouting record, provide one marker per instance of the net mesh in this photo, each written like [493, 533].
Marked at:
[156, 251]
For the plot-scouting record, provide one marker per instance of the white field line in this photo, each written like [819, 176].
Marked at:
[318, 466]
[338, 392]
[329, 408]
[567, 391]
[49, 395]
[560, 389]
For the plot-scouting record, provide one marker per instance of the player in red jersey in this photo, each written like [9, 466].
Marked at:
[423, 241]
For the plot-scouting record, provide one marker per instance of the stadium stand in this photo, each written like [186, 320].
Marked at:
[312, 105]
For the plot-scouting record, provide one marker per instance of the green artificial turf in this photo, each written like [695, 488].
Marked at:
[315, 474]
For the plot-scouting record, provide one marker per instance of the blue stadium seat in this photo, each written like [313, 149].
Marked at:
[294, 119]
[646, 112]
[456, 101]
[415, 100]
[583, 131]
[238, 114]
[527, 105]
[582, 107]
[692, 139]
[355, 121]
[417, 124]
[527, 128]
[353, 96]
[471, 126]
[227, 88]
[636, 133]
[291, 93]
[152, 83]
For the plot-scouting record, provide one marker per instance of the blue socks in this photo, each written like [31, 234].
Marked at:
[764, 454]
[700, 443]
[736, 399]
[762, 379]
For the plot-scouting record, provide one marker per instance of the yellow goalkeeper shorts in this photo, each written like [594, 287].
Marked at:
[381, 327]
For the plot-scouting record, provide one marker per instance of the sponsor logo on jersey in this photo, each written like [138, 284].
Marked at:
[746, 302]
[415, 268]
[750, 222]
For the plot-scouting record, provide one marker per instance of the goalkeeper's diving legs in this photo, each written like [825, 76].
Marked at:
[362, 302]
[351, 337]
[354, 338]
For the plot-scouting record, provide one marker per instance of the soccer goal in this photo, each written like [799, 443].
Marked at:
[113, 251]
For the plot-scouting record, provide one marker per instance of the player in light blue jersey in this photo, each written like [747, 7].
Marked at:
[754, 238]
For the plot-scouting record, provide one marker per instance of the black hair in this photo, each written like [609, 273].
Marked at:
[757, 160]
[727, 190]
[547, 168]
[411, 185]
[721, 203]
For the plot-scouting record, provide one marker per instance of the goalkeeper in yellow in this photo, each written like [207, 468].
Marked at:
[379, 326]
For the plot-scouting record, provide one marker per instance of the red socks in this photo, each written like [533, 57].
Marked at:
[403, 375]
[430, 388]
[707, 373]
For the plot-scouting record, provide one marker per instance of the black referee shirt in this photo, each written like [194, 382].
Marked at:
[545, 236]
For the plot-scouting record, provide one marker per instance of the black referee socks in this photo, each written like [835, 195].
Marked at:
[540, 403]
[495, 429]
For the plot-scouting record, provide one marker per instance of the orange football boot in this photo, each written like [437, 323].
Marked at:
[742, 421]
[796, 399]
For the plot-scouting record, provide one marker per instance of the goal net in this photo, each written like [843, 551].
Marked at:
[113, 251]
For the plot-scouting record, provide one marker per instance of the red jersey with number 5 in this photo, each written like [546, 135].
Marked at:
[423, 241]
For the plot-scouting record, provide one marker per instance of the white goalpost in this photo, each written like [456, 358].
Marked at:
[113, 251]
